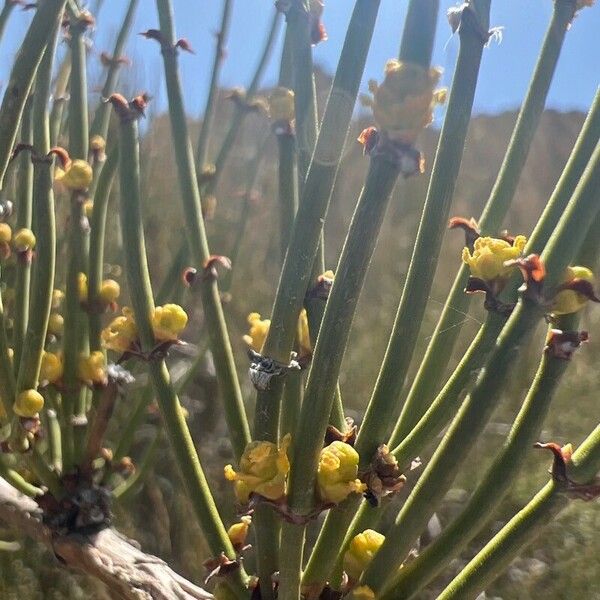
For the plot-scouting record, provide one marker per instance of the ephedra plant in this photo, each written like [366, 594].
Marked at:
[310, 488]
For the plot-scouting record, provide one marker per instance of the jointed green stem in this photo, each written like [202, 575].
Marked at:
[45, 229]
[449, 325]
[97, 232]
[525, 526]
[477, 408]
[209, 292]
[298, 264]
[208, 116]
[22, 74]
[382, 406]
[101, 119]
[24, 219]
[141, 295]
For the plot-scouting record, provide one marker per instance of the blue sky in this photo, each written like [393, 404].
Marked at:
[505, 72]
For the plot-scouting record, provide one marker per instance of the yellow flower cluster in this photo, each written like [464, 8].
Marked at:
[92, 368]
[259, 329]
[403, 103]
[362, 592]
[76, 176]
[361, 551]
[5, 233]
[82, 287]
[238, 532]
[56, 324]
[263, 470]
[167, 322]
[337, 473]
[52, 367]
[28, 403]
[24, 240]
[489, 255]
[571, 301]
[121, 332]
[109, 291]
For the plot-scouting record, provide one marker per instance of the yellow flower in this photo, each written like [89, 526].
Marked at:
[92, 368]
[259, 329]
[360, 552]
[303, 334]
[121, 332]
[403, 104]
[76, 176]
[263, 470]
[82, 287]
[281, 104]
[168, 322]
[238, 532]
[52, 367]
[489, 256]
[97, 143]
[28, 403]
[88, 208]
[362, 592]
[109, 291]
[337, 471]
[570, 301]
[5, 233]
[24, 240]
[56, 324]
[57, 298]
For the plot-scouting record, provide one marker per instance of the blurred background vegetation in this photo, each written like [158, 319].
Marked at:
[156, 513]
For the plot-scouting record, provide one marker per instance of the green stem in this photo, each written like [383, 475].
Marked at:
[59, 99]
[76, 336]
[7, 376]
[419, 280]
[299, 32]
[18, 482]
[440, 410]
[127, 432]
[333, 338]
[4, 15]
[124, 489]
[214, 318]
[21, 77]
[211, 101]
[443, 408]
[253, 171]
[288, 188]
[477, 408]
[101, 119]
[441, 345]
[54, 440]
[45, 230]
[24, 219]
[306, 235]
[524, 527]
[141, 295]
[491, 490]
[97, 234]
[240, 113]
[292, 546]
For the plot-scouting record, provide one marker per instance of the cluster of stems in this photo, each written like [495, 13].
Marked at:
[67, 362]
